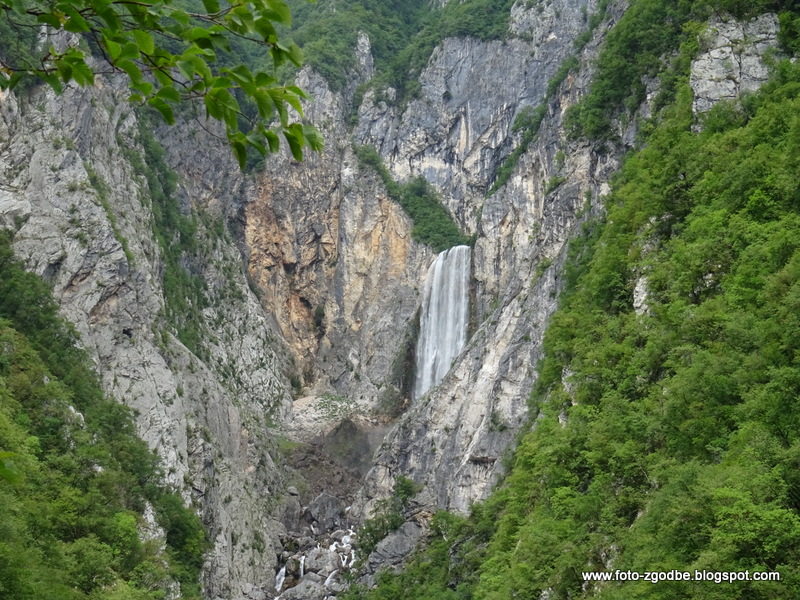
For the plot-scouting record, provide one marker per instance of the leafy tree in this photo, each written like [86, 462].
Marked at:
[173, 53]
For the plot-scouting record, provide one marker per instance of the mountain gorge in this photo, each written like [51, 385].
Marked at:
[629, 373]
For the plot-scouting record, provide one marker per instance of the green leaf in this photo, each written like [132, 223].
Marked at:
[254, 140]
[195, 33]
[211, 6]
[294, 102]
[265, 29]
[283, 14]
[11, 82]
[107, 14]
[315, 140]
[163, 77]
[298, 92]
[145, 87]
[164, 108]
[241, 20]
[295, 139]
[264, 104]
[280, 105]
[75, 23]
[145, 41]
[64, 70]
[263, 80]
[20, 7]
[295, 54]
[130, 51]
[113, 48]
[186, 68]
[131, 69]
[53, 81]
[273, 141]
[213, 109]
[181, 16]
[240, 150]
[169, 93]
[49, 19]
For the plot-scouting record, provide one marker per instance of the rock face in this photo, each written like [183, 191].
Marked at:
[732, 60]
[458, 131]
[334, 259]
[453, 439]
[82, 212]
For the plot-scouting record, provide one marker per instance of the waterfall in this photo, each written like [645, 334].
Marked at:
[443, 322]
[330, 578]
[279, 579]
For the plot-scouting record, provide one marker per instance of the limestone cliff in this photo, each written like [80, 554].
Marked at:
[454, 439]
[74, 192]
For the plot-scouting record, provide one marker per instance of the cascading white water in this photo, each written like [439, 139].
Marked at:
[330, 578]
[444, 317]
[279, 579]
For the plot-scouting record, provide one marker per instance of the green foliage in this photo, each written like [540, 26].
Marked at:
[327, 32]
[403, 35]
[187, 542]
[449, 567]
[482, 19]
[681, 444]
[387, 515]
[172, 53]
[633, 51]
[432, 223]
[75, 477]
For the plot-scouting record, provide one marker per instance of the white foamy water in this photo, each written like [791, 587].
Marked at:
[279, 579]
[444, 317]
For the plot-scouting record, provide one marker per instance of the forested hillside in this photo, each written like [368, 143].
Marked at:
[76, 480]
[663, 430]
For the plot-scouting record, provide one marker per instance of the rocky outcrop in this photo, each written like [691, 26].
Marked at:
[732, 59]
[457, 133]
[336, 265]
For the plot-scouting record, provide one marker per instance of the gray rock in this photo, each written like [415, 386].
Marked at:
[305, 590]
[392, 550]
[732, 61]
[326, 510]
[322, 561]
